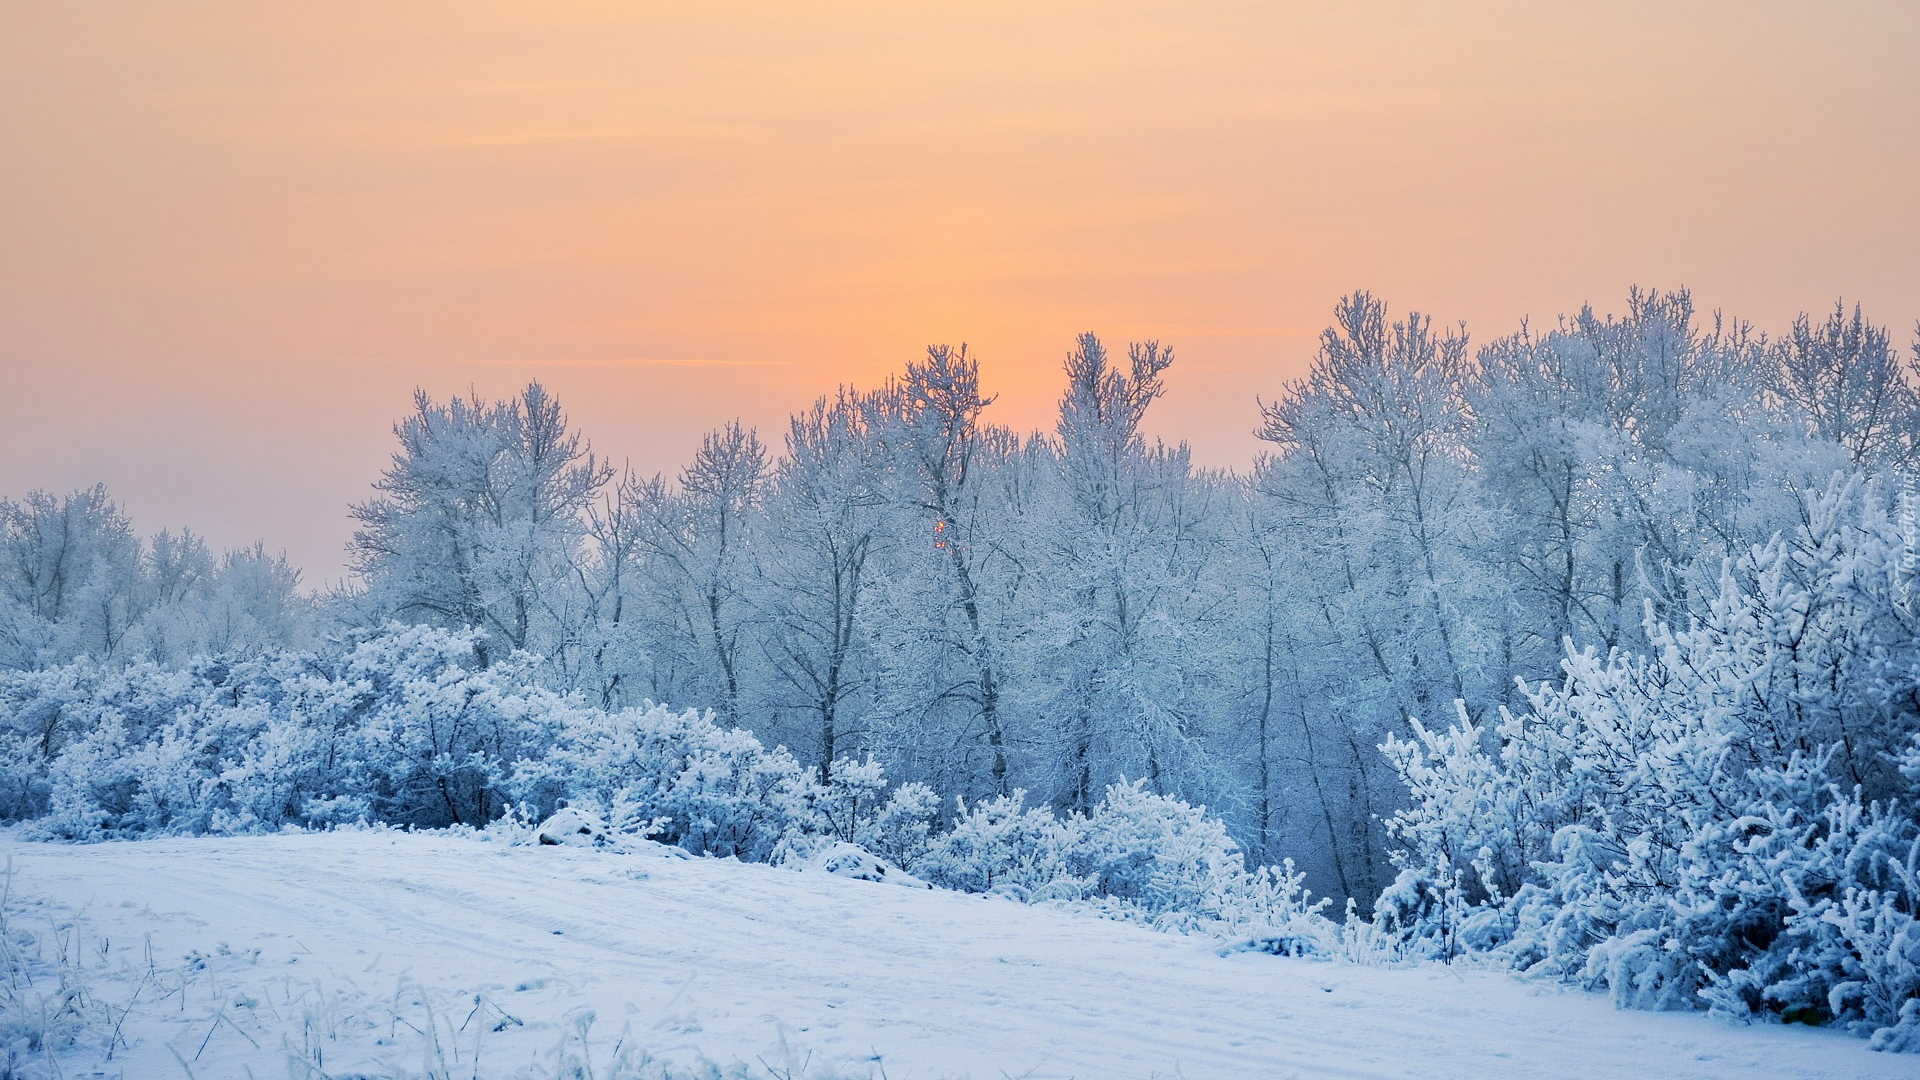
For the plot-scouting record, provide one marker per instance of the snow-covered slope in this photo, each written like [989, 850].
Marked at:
[349, 954]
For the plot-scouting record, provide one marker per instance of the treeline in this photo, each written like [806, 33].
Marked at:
[78, 583]
[1592, 650]
[987, 612]
[1726, 821]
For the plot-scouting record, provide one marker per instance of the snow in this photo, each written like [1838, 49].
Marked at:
[349, 947]
[858, 864]
[572, 827]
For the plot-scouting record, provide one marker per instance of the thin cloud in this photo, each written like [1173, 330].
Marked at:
[536, 138]
[569, 362]
[1176, 333]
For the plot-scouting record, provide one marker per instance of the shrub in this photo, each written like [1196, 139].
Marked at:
[1001, 845]
[1726, 822]
[712, 790]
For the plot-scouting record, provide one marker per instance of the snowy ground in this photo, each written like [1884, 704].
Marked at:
[382, 954]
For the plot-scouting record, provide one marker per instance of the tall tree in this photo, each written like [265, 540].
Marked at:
[478, 517]
[1845, 379]
[700, 541]
[931, 422]
[827, 515]
[1113, 552]
[1370, 479]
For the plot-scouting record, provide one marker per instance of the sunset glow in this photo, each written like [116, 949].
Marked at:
[234, 237]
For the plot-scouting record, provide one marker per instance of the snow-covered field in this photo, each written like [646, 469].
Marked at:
[385, 954]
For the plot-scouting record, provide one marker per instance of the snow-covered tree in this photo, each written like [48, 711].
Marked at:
[1844, 378]
[1118, 559]
[699, 541]
[828, 514]
[941, 454]
[1370, 484]
[478, 518]
[69, 577]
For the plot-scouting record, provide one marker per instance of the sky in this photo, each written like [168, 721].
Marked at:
[235, 236]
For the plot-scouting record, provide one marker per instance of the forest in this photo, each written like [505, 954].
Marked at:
[1587, 650]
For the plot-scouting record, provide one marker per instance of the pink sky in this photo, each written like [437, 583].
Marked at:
[234, 236]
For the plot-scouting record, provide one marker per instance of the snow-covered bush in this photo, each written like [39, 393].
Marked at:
[1001, 845]
[1271, 911]
[1723, 822]
[405, 726]
[400, 726]
[1158, 853]
[1140, 854]
[904, 828]
[712, 790]
[1424, 916]
[440, 733]
[35, 726]
[853, 796]
[200, 773]
[44, 714]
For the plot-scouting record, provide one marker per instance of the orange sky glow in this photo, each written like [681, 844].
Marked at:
[235, 236]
